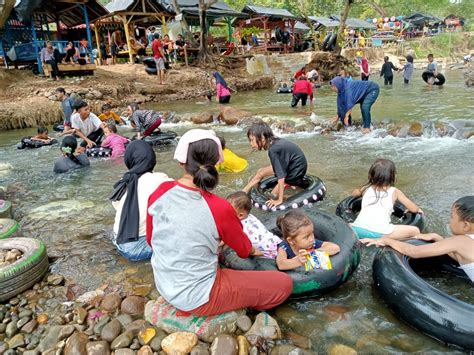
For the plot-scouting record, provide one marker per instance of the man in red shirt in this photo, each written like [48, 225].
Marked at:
[302, 88]
[159, 56]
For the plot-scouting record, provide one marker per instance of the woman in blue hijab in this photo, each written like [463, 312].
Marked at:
[350, 93]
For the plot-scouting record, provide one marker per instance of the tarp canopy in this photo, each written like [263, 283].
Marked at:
[190, 9]
[142, 9]
[6, 7]
[301, 27]
[324, 21]
[419, 19]
[272, 13]
[70, 13]
[356, 23]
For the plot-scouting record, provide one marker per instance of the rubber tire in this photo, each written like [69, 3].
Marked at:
[161, 138]
[25, 272]
[6, 210]
[149, 62]
[332, 42]
[283, 91]
[349, 208]
[439, 79]
[13, 227]
[315, 192]
[150, 71]
[58, 127]
[99, 152]
[312, 283]
[325, 42]
[26, 142]
[416, 302]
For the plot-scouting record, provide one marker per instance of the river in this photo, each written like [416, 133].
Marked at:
[73, 215]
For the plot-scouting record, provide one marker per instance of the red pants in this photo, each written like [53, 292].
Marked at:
[235, 289]
[154, 126]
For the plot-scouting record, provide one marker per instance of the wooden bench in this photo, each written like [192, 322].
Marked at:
[71, 69]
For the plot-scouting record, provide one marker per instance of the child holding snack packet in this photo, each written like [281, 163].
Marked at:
[299, 245]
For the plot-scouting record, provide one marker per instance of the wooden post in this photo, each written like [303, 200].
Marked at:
[185, 55]
[88, 32]
[127, 36]
[265, 34]
[293, 37]
[35, 44]
[163, 25]
[97, 40]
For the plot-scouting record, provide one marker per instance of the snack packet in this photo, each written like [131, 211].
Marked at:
[317, 260]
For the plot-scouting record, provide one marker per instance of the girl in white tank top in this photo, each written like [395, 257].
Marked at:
[460, 246]
[378, 198]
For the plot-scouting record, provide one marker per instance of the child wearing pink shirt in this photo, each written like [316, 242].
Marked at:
[114, 141]
[223, 92]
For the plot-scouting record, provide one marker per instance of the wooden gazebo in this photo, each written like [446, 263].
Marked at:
[132, 12]
[268, 19]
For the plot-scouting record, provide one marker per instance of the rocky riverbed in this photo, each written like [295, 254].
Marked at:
[51, 319]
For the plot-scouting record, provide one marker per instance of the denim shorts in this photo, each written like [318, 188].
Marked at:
[135, 251]
[365, 233]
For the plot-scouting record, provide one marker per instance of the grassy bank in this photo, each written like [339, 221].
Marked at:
[444, 45]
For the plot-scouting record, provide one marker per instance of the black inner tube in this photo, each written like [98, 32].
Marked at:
[439, 78]
[349, 208]
[310, 283]
[418, 303]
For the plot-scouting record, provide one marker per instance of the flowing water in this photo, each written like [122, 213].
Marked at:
[73, 215]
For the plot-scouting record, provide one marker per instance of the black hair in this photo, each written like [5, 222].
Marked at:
[42, 130]
[68, 147]
[291, 222]
[80, 104]
[106, 107]
[409, 59]
[201, 161]
[261, 130]
[156, 35]
[465, 208]
[134, 106]
[385, 59]
[222, 139]
[112, 127]
[240, 200]
[430, 55]
[61, 90]
[382, 173]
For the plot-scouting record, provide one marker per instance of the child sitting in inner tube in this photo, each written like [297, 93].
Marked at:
[288, 161]
[114, 141]
[460, 246]
[70, 160]
[42, 135]
[298, 234]
[264, 242]
[232, 162]
[378, 197]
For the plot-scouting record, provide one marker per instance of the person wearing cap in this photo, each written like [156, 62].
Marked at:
[350, 93]
[186, 223]
[130, 199]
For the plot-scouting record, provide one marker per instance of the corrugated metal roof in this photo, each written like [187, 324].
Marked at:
[358, 23]
[118, 5]
[191, 9]
[325, 21]
[268, 11]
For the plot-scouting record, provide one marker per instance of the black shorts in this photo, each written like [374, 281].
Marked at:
[113, 50]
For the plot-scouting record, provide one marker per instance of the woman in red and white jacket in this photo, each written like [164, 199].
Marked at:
[302, 88]
[185, 225]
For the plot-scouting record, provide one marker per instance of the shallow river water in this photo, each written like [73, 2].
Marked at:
[73, 215]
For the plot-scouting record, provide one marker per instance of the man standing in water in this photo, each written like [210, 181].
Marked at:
[66, 104]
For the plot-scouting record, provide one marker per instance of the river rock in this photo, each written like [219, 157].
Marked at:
[76, 344]
[50, 340]
[111, 330]
[125, 319]
[11, 330]
[145, 350]
[3, 347]
[22, 322]
[283, 349]
[124, 352]
[136, 326]
[111, 302]
[55, 279]
[203, 117]
[155, 343]
[146, 335]
[224, 344]
[231, 116]
[244, 323]
[284, 126]
[299, 340]
[179, 343]
[97, 348]
[81, 315]
[415, 130]
[244, 345]
[403, 132]
[17, 341]
[66, 331]
[31, 352]
[101, 324]
[97, 94]
[133, 305]
[340, 349]
[200, 349]
[265, 326]
[42, 318]
[122, 341]
[3, 326]
[25, 313]
[142, 290]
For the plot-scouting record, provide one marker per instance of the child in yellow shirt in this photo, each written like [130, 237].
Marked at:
[108, 114]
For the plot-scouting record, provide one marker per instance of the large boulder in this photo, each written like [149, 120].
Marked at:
[203, 117]
[232, 116]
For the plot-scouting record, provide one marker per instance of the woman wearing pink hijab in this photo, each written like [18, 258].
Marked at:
[364, 69]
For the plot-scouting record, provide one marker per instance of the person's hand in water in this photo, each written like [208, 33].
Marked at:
[90, 143]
